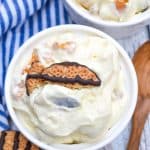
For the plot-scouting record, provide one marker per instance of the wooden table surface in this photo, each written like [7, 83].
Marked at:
[131, 44]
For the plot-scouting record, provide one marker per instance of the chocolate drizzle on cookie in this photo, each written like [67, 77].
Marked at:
[2, 139]
[28, 146]
[68, 74]
[14, 140]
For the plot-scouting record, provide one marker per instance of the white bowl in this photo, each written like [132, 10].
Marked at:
[115, 29]
[131, 86]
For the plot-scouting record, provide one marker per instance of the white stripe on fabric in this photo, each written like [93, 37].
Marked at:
[44, 21]
[12, 45]
[16, 42]
[8, 47]
[23, 11]
[35, 27]
[26, 31]
[62, 18]
[13, 12]
[48, 13]
[30, 6]
[2, 25]
[38, 4]
[53, 15]
[4, 17]
[1, 20]
[45, 18]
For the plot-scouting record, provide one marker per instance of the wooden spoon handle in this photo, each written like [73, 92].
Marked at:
[138, 121]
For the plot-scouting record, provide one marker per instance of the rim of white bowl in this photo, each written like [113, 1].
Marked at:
[90, 18]
[62, 28]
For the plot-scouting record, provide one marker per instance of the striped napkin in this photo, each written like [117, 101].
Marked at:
[19, 20]
[14, 17]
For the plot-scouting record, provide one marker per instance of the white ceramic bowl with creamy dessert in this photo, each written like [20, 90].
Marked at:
[53, 115]
[115, 19]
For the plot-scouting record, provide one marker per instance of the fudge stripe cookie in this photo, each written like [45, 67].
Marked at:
[2, 139]
[14, 140]
[23, 143]
[8, 144]
[69, 74]
[28, 146]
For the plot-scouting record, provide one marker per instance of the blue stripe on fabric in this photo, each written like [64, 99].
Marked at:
[18, 11]
[12, 45]
[34, 4]
[1, 90]
[3, 60]
[2, 1]
[40, 23]
[4, 126]
[5, 107]
[2, 23]
[1, 100]
[2, 113]
[10, 17]
[31, 26]
[48, 19]
[66, 16]
[21, 35]
[148, 29]
[43, 2]
[57, 12]
[26, 8]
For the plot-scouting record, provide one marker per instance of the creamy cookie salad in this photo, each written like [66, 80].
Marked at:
[70, 88]
[114, 10]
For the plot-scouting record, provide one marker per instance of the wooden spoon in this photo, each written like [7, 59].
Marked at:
[141, 62]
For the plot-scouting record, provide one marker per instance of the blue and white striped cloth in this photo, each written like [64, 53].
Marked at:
[19, 20]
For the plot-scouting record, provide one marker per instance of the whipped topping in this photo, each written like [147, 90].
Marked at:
[114, 10]
[57, 114]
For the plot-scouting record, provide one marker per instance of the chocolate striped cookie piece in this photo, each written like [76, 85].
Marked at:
[69, 74]
[14, 140]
